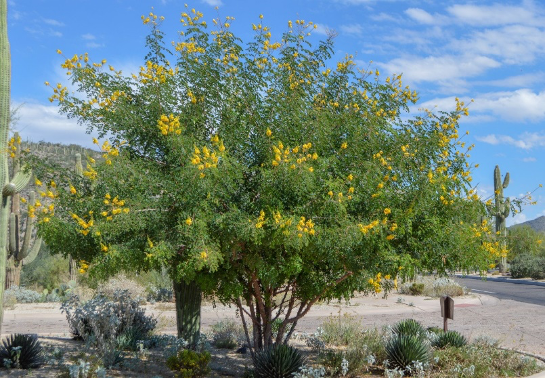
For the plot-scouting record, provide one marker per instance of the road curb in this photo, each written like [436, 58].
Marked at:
[505, 280]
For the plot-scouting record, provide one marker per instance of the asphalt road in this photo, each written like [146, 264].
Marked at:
[523, 292]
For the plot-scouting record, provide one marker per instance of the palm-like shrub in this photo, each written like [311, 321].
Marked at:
[409, 327]
[403, 350]
[277, 361]
[21, 351]
[449, 338]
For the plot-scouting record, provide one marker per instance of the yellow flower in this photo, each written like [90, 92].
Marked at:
[268, 132]
[37, 182]
[387, 211]
[204, 256]
[72, 190]
[350, 177]
[390, 237]
[344, 145]
[188, 221]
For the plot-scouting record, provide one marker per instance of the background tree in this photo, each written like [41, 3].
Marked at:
[524, 240]
[262, 175]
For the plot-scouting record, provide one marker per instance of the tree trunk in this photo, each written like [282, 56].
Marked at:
[13, 273]
[188, 311]
[72, 269]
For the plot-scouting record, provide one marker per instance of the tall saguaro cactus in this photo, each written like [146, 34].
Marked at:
[502, 208]
[21, 178]
[73, 266]
[25, 251]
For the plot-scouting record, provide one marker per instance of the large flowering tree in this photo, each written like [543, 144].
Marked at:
[263, 174]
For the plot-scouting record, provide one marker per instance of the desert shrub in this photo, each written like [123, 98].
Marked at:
[9, 299]
[481, 361]
[341, 331]
[157, 284]
[47, 271]
[404, 350]
[445, 287]
[432, 287]
[227, 334]
[23, 295]
[21, 351]
[416, 289]
[528, 266]
[121, 282]
[103, 319]
[277, 361]
[159, 294]
[190, 364]
[449, 338]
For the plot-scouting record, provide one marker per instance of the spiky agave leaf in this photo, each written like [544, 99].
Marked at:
[277, 361]
[403, 350]
[31, 354]
[449, 338]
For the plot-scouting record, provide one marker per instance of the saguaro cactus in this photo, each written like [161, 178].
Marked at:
[502, 208]
[73, 264]
[19, 253]
[21, 178]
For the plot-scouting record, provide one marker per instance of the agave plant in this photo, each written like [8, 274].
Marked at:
[409, 327]
[21, 351]
[449, 338]
[404, 350]
[277, 361]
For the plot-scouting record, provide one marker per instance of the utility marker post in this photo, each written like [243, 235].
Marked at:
[447, 310]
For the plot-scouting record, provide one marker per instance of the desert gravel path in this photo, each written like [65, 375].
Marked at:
[516, 325]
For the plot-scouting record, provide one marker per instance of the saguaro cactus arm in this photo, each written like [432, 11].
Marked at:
[25, 253]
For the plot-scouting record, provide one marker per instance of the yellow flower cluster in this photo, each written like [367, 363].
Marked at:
[205, 158]
[191, 19]
[283, 223]
[115, 207]
[260, 220]
[84, 266]
[375, 282]
[13, 145]
[169, 124]
[298, 154]
[155, 73]
[305, 226]
[86, 225]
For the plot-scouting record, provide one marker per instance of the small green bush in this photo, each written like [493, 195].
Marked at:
[416, 289]
[227, 334]
[190, 364]
[528, 266]
[341, 330]
[449, 338]
[277, 361]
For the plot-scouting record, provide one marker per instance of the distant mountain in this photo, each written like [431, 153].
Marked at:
[537, 224]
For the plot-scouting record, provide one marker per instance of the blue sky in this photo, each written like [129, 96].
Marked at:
[491, 52]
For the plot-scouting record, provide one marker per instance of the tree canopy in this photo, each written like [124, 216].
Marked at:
[263, 172]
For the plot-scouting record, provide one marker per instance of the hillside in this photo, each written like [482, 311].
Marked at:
[537, 224]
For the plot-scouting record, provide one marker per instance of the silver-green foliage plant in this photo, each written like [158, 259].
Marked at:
[108, 322]
[14, 185]
[404, 350]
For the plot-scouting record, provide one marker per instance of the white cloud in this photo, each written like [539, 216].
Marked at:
[352, 29]
[323, 29]
[492, 15]
[516, 219]
[212, 3]
[439, 68]
[94, 45]
[55, 33]
[524, 141]
[529, 159]
[88, 37]
[423, 17]
[52, 22]
[519, 105]
[517, 81]
[43, 123]
[513, 44]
